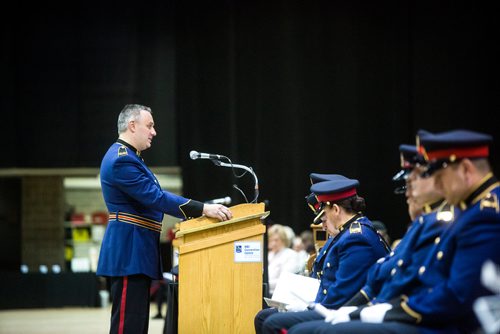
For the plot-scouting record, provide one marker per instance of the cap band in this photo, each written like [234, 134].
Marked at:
[466, 152]
[337, 196]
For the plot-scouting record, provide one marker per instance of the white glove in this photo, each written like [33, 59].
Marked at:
[375, 313]
[296, 307]
[340, 315]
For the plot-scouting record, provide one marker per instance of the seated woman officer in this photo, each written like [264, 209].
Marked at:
[347, 258]
[314, 205]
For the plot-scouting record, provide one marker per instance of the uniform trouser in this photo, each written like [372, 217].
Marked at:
[130, 310]
[259, 319]
[275, 323]
[352, 327]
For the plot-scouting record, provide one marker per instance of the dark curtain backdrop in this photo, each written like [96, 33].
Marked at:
[294, 87]
[67, 71]
[287, 87]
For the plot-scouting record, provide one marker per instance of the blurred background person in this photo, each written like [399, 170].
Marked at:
[308, 241]
[281, 258]
[302, 255]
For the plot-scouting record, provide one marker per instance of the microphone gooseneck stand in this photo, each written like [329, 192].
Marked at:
[248, 169]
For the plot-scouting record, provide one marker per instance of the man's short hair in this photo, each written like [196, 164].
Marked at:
[130, 112]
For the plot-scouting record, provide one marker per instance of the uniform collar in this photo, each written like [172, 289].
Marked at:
[123, 142]
[429, 207]
[349, 222]
[490, 182]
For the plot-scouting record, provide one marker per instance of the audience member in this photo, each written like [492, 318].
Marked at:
[281, 258]
[302, 254]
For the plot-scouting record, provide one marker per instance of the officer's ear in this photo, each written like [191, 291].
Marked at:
[131, 126]
[468, 167]
[336, 208]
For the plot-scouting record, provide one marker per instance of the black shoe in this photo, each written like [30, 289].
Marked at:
[158, 316]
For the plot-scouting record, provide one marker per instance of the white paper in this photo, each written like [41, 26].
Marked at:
[275, 304]
[295, 289]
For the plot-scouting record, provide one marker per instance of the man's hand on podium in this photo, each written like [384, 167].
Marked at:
[218, 211]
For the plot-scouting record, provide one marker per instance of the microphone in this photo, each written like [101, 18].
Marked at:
[223, 200]
[197, 155]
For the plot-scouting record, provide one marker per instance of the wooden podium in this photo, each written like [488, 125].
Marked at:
[220, 271]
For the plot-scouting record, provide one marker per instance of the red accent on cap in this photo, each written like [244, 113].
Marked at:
[465, 152]
[337, 196]
[421, 149]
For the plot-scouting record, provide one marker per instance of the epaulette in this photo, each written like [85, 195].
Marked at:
[355, 227]
[490, 201]
[122, 150]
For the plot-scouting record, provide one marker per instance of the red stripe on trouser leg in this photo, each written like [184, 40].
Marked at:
[122, 305]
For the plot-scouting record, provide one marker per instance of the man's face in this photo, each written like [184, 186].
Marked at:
[452, 182]
[144, 130]
[422, 189]
[414, 209]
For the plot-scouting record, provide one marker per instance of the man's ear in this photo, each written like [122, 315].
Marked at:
[470, 171]
[468, 166]
[131, 126]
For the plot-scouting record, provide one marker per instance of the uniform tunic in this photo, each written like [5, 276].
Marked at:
[391, 275]
[344, 260]
[136, 203]
[347, 261]
[445, 286]
[449, 281]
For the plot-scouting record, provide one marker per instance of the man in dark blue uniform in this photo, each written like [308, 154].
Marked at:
[439, 299]
[346, 258]
[130, 254]
[430, 216]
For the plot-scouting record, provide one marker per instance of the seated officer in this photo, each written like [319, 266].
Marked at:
[410, 158]
[345, 259]
[431, 216]
[314, 205]
[440, 297]
[389, 275]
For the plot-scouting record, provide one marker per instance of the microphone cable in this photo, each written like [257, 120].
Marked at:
[217, 163]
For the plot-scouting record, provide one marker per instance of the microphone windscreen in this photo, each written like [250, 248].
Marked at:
[193, 155]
